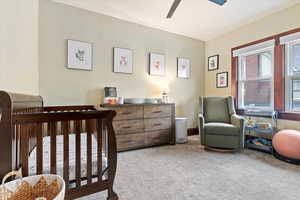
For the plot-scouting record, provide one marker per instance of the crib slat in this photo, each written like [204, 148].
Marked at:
[78, 127]
[52, 130]
[65, 132]
[89, 150]
[39, 148]
[17, 126]
[24, 136]
[99, 148]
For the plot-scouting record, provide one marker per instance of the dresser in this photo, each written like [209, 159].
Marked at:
[143, 125]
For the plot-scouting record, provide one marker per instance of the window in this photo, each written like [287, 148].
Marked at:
[266, 75]
[255, 79]
[292, 78]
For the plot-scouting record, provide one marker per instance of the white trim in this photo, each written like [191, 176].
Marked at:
[255, 47]
[289, 76]
[289, 38]
[241, 79]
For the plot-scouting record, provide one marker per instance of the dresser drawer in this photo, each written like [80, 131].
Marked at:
[152, 111]
[128, 126]
[125, 142]
[158, 137]
[128, 112]
[157, 124]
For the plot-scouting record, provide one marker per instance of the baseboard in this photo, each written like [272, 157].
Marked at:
[193, 131]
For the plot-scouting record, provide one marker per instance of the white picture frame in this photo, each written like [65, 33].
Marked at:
[183, 68]
[79, 55]
[123, 60]
[157, 65]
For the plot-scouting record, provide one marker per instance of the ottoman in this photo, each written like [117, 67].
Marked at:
[286, 144]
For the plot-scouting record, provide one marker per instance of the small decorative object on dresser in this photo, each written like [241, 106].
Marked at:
[143, 125]
[79, 55]
[213, 63]
[157, 64]
[183, 68]
[110, 95]
[164, 93]
[123, 60]
[222, 80]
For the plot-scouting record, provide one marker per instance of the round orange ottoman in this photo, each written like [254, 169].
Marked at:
[287, 144]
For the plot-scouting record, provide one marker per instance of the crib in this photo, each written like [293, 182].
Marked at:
[75, 142]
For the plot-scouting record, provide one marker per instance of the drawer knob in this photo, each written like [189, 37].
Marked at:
[158, 124]
[127, 127]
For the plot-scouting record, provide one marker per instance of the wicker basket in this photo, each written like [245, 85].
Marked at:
[39, 187]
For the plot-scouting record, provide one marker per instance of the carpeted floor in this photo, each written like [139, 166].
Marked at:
[187, 172]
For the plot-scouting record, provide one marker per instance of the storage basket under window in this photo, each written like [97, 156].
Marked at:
[39, 187]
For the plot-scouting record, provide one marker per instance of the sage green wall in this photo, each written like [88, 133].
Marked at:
[61, 86]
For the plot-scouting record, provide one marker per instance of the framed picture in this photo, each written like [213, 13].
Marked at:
[157, 64]
[79, 55]
[222, 80]
[183, 68]
[123, 60]
[213, 63]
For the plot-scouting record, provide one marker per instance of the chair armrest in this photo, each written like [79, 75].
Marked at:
[238, 121]
[201, 117]
[201, 122]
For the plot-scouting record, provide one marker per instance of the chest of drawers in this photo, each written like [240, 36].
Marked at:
[143, 125]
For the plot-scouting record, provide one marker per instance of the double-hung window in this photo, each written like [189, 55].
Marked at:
[266, 75]
[292, 73]
[256, 77]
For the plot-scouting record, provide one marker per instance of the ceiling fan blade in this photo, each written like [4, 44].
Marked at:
[219, 2]
[173, 8]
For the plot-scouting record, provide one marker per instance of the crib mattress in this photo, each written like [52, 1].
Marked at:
[72, 158]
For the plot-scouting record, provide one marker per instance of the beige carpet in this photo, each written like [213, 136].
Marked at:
[187, 172]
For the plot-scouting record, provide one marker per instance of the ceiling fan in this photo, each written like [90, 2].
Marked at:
[177, 2]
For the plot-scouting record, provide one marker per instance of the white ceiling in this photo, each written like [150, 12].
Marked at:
[199, 19]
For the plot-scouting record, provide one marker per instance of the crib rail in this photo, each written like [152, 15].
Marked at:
[68, 108]
[57, 121]
[59, 116]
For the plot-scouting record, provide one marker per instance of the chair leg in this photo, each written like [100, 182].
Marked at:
[112, 195]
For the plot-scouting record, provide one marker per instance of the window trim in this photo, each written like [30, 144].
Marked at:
[279, 71]
[240, 81]
[289, 77]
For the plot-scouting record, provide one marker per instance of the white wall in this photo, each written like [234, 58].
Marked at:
[61, 86]
[19, 46]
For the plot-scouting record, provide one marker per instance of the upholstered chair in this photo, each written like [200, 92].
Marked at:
[219, 125]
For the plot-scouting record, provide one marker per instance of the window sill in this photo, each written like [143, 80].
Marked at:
[289, 116]
[281, 115]
[253, 114]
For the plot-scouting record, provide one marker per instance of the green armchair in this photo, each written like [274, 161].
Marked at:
[219, 125]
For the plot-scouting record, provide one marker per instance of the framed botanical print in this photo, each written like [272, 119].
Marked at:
[157, 64]
[79, 55]
[123, 60]
[222, 80]
[183, 68]
[213, 63]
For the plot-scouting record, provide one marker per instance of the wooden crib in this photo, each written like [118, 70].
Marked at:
[76, 142]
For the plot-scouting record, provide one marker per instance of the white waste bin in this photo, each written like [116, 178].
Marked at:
[181, 130]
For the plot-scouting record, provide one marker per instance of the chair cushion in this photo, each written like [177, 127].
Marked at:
[216, 110]
[221, 129]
